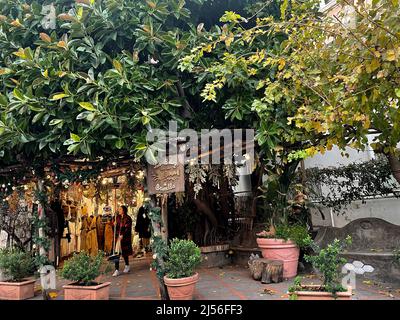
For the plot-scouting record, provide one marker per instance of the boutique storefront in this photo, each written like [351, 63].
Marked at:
[83, 201]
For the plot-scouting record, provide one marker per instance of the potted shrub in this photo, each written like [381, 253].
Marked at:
[183, 257]
[83, 269]
[16, 267]
[284, 243]
[328, 262]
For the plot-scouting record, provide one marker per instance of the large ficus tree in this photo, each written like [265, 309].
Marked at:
[242, 68]
[94, 80]
[312, 80]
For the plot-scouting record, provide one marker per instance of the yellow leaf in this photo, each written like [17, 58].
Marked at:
[65, 17]
[151, 4]
[16, 23]
[371, 67]
[282, 64]
[87, 106]
[117, 65]
[53, 295]
[62, 44]
[45, 73]
[79, 13]
[390, 55]
[4, 71]
[45, 37]
[59, 96]
[20, 53]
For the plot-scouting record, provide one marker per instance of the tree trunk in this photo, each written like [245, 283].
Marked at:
[204, 208]
[394, 163]
[161, 262]
[41, 214]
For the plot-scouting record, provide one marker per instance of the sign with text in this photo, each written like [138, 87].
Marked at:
[166, 178]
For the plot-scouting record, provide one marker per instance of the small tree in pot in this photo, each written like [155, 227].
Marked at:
[83, 269]
[283, 242]
[16, 266]
[183, 258]
[328, 262]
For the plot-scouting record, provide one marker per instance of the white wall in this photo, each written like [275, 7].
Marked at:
[384, 208]
[3, 239]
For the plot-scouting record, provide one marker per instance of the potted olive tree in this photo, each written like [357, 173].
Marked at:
[16, 267]
[328, 262]
[183, 257]
[283, 242]
[83, 269]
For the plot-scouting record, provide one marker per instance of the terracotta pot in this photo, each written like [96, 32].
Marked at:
[17, 290]
[75, 292]
[181, 289]
[321, 295]
[279, 249]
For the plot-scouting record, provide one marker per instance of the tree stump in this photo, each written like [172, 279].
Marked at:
[272, 272]
[256, 267]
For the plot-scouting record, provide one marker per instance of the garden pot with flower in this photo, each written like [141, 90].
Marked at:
[284, 243]
[16, 267]
[83, 270]
[326, 260]
[183, 257]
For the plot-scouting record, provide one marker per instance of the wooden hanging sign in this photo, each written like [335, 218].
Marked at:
[166, 178]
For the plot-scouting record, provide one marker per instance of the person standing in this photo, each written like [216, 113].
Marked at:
[143, 229]
[124, 235]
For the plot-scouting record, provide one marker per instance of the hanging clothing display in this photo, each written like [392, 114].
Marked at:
[100, 228]
[91, 238]
[83, 234]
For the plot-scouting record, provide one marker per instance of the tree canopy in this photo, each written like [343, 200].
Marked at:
[312, 80]
[93, 82]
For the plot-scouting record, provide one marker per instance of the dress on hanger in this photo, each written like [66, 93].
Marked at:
[108, 236]
[91, 239]
[83, 233]
[100, 228]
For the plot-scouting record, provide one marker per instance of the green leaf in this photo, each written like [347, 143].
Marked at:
[119, 143]
[87, 106]
[284, 7]
[3, 100]
[73, 148]
[18, 94]
[397, 91]
[59, 96]
[110, 137]
[75, 137]
[117, 65]
[55, 122]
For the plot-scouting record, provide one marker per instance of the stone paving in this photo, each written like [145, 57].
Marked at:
[227, 283]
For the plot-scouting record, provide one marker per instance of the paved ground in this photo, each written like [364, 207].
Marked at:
[227, 283]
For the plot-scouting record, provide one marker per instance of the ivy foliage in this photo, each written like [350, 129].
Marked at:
[338, 187]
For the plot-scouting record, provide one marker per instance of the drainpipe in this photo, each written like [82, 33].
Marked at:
[332, 220]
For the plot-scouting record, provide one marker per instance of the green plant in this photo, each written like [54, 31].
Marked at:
[295, 287]
[296, 233]
[328, 262]
[16, 264]
[183, 257]
[397, 255]
[83, 268]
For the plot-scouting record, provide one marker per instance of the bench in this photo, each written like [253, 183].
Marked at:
[373, 243]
